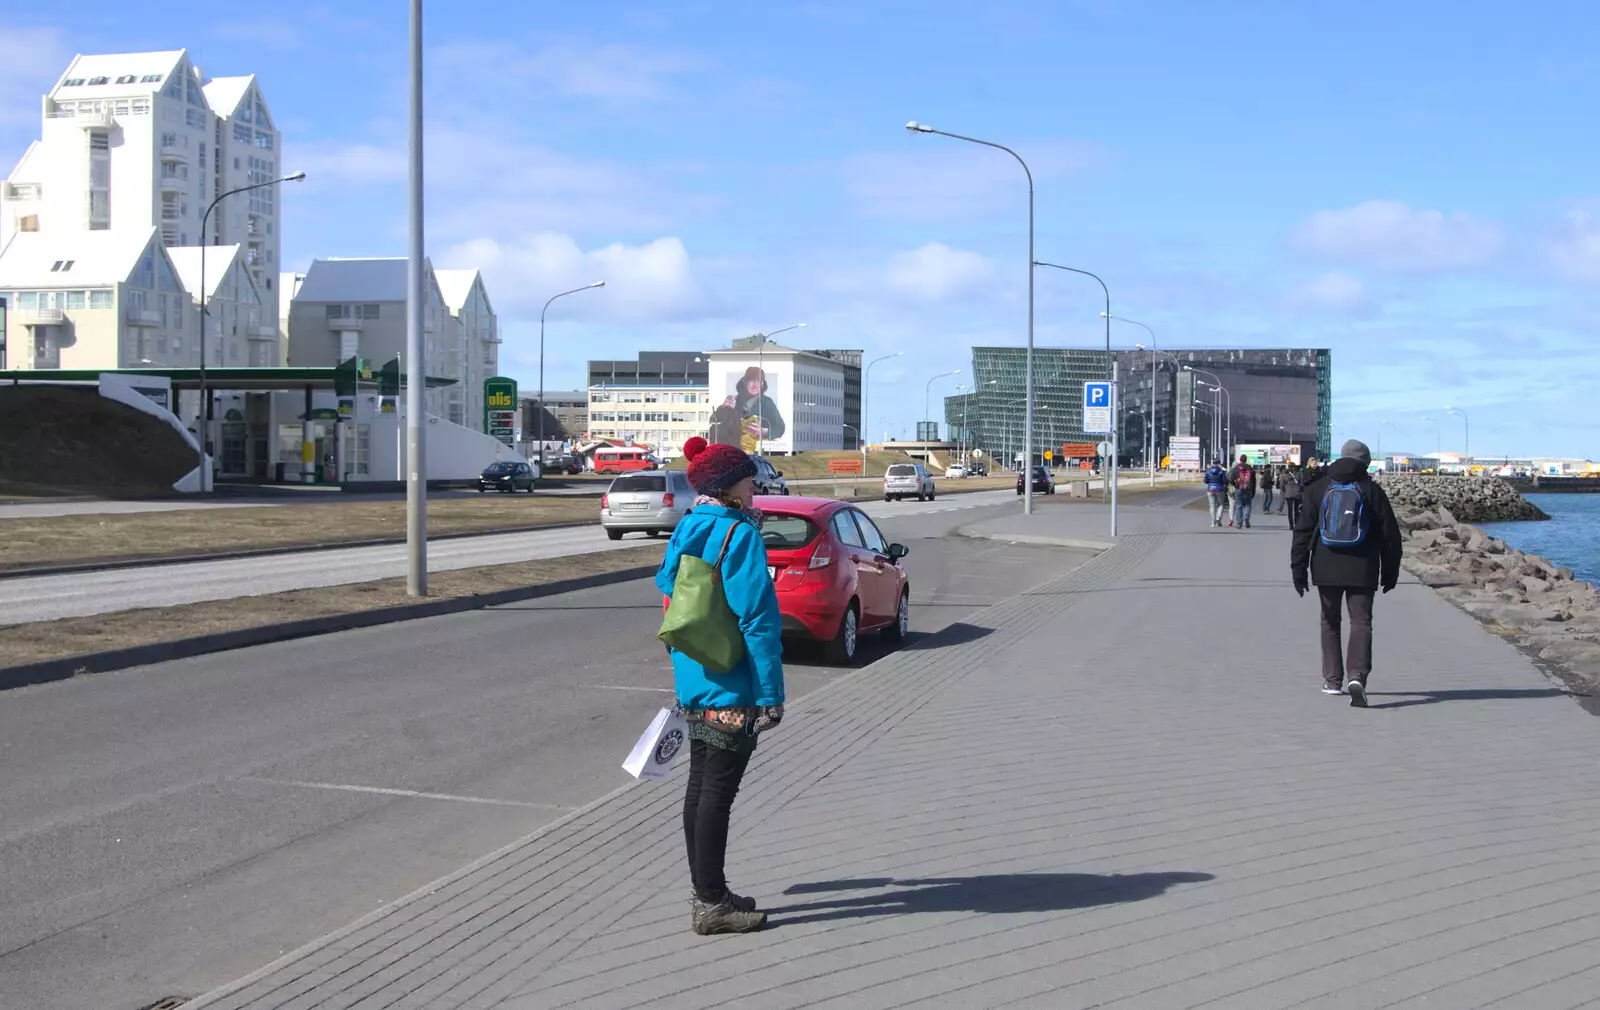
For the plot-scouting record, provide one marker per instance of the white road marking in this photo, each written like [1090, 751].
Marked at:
[408, 793]
[625, 687]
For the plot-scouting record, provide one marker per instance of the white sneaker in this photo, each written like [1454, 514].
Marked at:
[1329, 689]
[1358, 694]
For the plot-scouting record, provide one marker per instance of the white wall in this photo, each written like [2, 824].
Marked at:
[453, 452]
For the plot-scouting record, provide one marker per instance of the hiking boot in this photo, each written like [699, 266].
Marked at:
[1332, 689]
[723, 917]
[738, 901]
[1247, 524]
[1358, 694]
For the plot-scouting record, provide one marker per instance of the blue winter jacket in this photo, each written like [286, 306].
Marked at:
[1216, 478]
[758, 677]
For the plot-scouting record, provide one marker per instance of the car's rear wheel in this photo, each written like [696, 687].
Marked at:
[614, 534]
[897, 631]
[887, 498]
[841, 651]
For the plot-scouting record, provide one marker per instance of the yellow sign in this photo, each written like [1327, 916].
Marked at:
[1048, 454]
[501, 401]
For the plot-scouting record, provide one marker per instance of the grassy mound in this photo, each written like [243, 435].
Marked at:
[58, 440]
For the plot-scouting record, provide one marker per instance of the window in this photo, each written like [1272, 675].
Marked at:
[28, 222]
[196, 118]
[77, 300]
[264, 141]
[869, 533]
[236, 168]
[99, 140]
[56, 266]
[126, 79]
[368, 312]
[72, 82]
[845, 529]
[244, 135]
[98, 80]
[150, 79]
[27, 299]
[169, 139]
[100, 299]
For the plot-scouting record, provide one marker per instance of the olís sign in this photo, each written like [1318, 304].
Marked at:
[500, 408]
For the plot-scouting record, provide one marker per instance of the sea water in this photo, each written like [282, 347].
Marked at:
[1571, 539]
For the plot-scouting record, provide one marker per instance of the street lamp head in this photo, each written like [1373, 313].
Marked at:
[598, 284]
[916, 127]
[294, 177]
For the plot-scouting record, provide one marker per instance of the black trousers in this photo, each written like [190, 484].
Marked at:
[1359, 656]
[714, 777]
[1292, 507]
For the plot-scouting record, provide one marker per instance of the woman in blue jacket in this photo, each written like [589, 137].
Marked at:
[725, 711]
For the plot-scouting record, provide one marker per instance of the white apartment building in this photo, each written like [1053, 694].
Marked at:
[96, 300]
[344, 308]
[136, 141]
[239, 333]
[468, 301]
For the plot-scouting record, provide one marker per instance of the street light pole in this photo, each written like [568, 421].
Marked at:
[586, 287]
[927, 391]
[1152, 419]
[1227, 432]
[1111, 470]
[761, 362]
[1027, 498]
[202, 425]
[1466, 429]
[1438, 444]
[416, 347]
[866, 389]
[1380, 436]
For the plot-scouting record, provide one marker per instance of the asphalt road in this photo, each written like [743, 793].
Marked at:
[45, 597]
[170, 828]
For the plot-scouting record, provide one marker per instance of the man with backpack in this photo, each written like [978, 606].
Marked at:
[1349, 540]
[1216, 479]
[1242, 478]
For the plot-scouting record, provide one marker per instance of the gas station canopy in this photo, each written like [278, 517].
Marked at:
[253, 380]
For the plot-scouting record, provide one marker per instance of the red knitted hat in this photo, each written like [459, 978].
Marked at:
[713, 468]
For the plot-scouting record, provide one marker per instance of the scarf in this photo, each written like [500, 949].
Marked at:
[754, 514]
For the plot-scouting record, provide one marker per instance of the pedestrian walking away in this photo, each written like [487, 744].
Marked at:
[1348, 542]
[1216, 479]
[1266, 489]
[1242, 478]
[1290, 488]
[726, 712]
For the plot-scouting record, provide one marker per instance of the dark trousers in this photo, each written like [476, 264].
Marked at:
[1292, 506]
[714, 777]
[1334, 662]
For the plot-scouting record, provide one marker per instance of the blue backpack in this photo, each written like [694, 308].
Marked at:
[1344, 521]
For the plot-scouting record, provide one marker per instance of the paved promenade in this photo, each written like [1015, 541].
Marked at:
[1174, 818]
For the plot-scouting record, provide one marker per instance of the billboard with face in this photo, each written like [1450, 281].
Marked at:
[752, 402]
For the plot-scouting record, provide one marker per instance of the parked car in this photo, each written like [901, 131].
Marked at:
[624, 460]
[562, 462]
[835, 574]
[769, 479]
[506, 476]
[978, 470]
[1043, 479]
[907, 480]
[651, 503]
[955, 471]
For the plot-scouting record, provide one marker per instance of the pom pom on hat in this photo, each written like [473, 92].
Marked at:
[693, 447]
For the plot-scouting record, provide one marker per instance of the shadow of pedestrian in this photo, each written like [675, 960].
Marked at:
[1464, 694]
[997, 894]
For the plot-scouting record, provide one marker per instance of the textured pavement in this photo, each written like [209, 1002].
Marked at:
[1173, 817]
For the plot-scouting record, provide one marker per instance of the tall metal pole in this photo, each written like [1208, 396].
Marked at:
[1152, 419]
[926, 393]
[586, 287]
[416, 352]
[866, 390]
[1466, 429]
[1027, 438]
[1111, 474]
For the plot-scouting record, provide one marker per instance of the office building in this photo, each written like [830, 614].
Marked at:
[851, 360]
[660, 400]
[566, 413]
[775, 399]
[136, 141]
[1277, 396]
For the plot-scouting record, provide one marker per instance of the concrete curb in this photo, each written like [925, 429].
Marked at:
[1032, 538]
[50, 670]
[264, 552]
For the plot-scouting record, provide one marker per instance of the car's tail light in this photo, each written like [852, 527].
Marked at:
[605, 501]
[666, 500]
[822, 557]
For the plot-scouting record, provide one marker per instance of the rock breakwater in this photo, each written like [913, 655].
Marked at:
[1524, 598]
[1468, 499]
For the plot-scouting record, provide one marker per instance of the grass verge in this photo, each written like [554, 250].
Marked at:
[81, 636]
[79, 539]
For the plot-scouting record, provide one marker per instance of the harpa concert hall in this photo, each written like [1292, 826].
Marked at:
[1267, 395]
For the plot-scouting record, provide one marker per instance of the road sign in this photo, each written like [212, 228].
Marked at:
[849, 464]
[500, 408]
[1102, 449]
[1097, 408]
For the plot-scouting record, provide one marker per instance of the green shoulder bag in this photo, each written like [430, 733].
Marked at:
[699, 623]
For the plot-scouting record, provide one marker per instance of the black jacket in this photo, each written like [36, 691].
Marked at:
[1374, 562]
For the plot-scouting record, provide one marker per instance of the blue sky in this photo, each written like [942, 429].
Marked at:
[1416, 189]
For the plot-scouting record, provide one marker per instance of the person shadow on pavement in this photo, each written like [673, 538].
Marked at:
[996, 894]
[1464, 694]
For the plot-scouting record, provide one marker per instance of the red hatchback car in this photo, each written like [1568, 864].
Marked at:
[835, 574]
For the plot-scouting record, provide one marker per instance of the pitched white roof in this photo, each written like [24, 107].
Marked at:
[99, 258]
[186, 263]
[455, 286]
[20, 173]
[115, 65]
[224, 94]
[354, 280]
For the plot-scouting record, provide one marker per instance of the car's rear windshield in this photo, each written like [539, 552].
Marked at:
[786, 533]
[501, 467]
[902, 470]
[640, 482]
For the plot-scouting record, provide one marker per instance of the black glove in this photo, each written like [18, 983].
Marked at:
[1388, 587]
[1300, 586]
[769, 717]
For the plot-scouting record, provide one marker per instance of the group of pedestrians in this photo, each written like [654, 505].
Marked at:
[1234, 491]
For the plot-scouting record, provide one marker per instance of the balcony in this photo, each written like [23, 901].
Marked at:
[174, 155]
[143, 317]
[346, 325]
[174, 184]
[263, 331]
[21, 190]
[41, 317]
[94, 120]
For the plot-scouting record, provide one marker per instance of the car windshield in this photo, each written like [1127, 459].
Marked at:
[786, 533]
[902, 470]
[1039, 471]
[640, 482]
[501, 468]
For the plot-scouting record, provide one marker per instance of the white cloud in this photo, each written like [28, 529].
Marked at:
[1331, 292]
[1575, 248]
[653, 282]
[936, 272]
[939, 178]
[1397, 236]
[30, 61]
[610, 72]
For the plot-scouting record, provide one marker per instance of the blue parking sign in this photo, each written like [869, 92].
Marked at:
[1097, 408]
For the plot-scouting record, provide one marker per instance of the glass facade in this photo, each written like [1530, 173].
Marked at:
[1278, 395]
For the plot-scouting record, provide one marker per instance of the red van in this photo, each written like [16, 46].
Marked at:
[624, 460]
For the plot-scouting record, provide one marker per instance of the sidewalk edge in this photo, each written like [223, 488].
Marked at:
[1032, 538]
